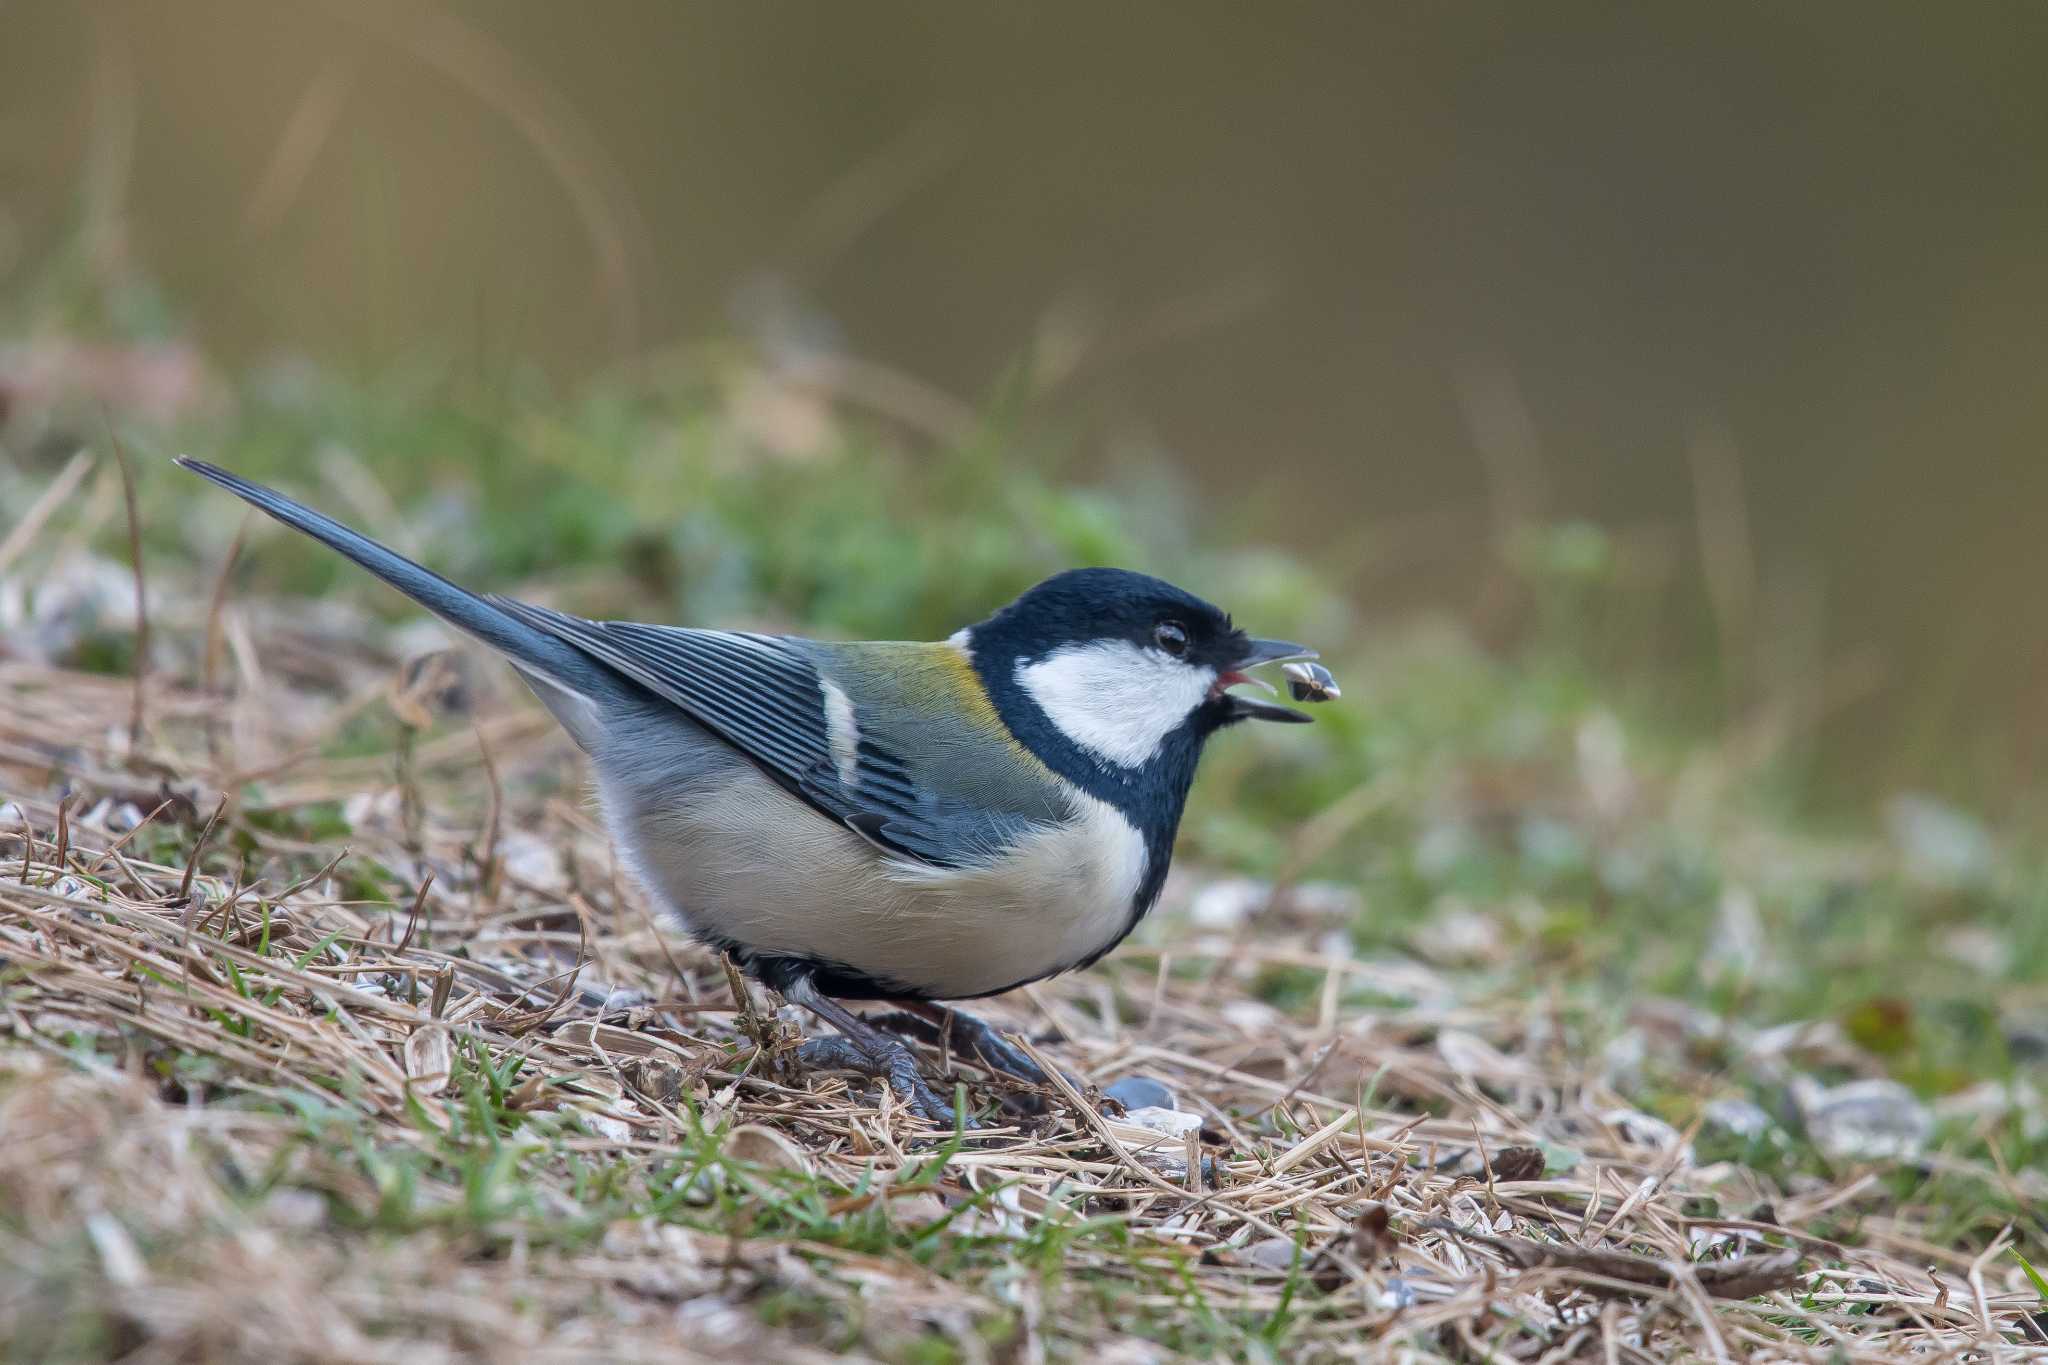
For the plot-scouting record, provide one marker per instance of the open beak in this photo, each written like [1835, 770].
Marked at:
[1251, 708]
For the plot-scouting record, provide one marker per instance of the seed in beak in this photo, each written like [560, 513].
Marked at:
[1310, 681]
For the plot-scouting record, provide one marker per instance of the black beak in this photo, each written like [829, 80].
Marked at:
[1236, 708]
[1272, 652]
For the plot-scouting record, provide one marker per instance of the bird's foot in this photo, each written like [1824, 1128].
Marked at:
[881, 1058]
[967, 1036]
[978, 1039]
[867, 1051]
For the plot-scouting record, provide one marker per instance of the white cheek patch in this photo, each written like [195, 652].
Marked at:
[1116, 699]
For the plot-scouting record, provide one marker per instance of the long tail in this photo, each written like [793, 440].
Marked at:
[534, 652]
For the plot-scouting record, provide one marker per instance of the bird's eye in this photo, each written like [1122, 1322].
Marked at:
[1172, 637]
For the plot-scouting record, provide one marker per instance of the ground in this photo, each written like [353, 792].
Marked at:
[1517, 1010]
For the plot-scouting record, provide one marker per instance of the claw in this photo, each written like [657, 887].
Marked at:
[995, 1051]
[973, 1038]
[882, 1059]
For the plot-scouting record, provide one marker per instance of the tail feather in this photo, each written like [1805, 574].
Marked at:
[533, 651]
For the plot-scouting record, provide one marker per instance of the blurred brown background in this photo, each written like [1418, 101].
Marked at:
[1760, 287]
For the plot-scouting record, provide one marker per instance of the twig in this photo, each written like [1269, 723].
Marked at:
[114, 850]
[137, 713]
[299, 141]
[326, 870]
[412, 920]
[1975, 1278]
[412, 813]
[683, 978]
[63, 833]
[492, 817]
[519, 1025]
[40, 510]
[209, 662]
[743, 1001]
[199, 847]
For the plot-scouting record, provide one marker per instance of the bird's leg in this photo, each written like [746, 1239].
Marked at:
[977, 1039]
[863, 1048]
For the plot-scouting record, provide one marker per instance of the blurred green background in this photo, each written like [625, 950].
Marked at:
[1640, 409]
[1749, 298]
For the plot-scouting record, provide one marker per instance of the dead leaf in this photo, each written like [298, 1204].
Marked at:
[1742, 1277]
[661, 1079]
[759, 1145]
[610, 1040]
[429, 1057]
[1517, 1163]
[1369, 1238]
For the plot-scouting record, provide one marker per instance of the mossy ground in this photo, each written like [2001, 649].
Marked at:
[265, 1093]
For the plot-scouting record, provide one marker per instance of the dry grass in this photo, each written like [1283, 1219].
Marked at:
[430, 1086]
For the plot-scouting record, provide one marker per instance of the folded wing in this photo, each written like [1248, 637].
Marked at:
[844, 727]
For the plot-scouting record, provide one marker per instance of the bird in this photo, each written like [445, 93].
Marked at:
[897, 821]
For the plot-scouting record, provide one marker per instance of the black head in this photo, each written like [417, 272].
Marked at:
[1083, 606]
[1121, 664]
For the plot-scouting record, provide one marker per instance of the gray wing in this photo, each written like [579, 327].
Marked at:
[766, 696]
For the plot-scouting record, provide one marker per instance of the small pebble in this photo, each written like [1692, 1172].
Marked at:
[1171, 1122]
[1140, 1092]
[1272, 1253]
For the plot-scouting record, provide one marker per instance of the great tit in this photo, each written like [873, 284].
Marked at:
[885, 820]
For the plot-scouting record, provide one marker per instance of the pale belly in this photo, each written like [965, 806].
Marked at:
[740, 859]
